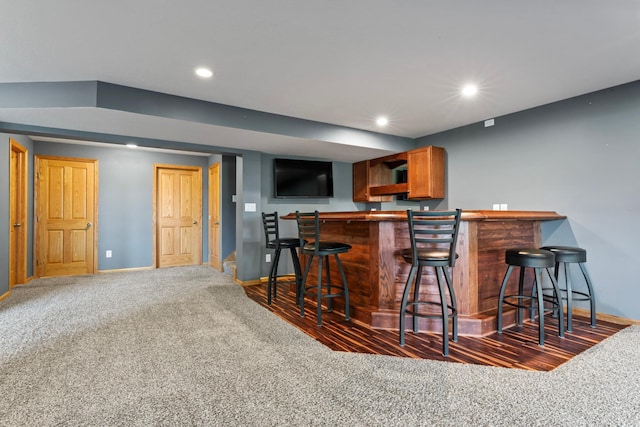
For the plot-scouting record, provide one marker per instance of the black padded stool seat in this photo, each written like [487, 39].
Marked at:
[311, 245]
[530, 257]
[538, 259]
[433, 236]
[566, 255]
[274, 241]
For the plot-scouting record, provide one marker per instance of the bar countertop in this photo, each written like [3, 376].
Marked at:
[467, 215]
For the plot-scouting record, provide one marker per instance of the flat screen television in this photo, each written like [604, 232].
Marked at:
[302, 179]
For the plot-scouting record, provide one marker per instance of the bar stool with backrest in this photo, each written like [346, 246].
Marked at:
[538, 260]
[274, 241]
[566, 255]
[312, 246]
[433, 237]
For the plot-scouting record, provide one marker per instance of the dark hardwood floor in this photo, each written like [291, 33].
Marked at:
[516, 347]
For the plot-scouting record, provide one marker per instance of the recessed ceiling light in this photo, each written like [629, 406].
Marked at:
[205, 73]
[382, 121]
[469, 90]
[132, 145]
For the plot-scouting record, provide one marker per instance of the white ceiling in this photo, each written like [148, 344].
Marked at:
[342, 62]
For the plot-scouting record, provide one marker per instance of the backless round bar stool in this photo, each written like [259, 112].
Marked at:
[539, 260]
[274, 241]
[312, 246]
[566, 255]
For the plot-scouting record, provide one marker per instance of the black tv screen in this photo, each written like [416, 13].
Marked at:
[302, 178]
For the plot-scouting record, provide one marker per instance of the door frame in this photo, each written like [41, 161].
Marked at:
[36, 207]
[154, 234]
[18, 235]
[214, 198]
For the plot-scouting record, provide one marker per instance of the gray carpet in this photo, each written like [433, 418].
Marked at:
[185, 347]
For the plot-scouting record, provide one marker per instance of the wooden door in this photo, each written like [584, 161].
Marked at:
[18, 214]
[214, 216]
[178, 210]
[66, 214]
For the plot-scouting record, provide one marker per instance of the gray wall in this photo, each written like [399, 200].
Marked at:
[228, 206]
[125, 192]
[580, 158]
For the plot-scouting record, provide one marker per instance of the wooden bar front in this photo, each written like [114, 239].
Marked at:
[376, 272]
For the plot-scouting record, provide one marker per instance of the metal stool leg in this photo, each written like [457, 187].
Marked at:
[520, 292]
[558, 300]
[445, 315]
[272, 283]
[319, 292]
[405, 297]
[454, 303]
[569, 293]
[329, 300]
[298, 273]
[592, 295]
[345, 288]
[303, 285]
[503, 288]
[540, 306]
[416, 298]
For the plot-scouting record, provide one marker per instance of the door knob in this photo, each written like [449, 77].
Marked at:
[195, 222]
[17, 224]
[89, 225]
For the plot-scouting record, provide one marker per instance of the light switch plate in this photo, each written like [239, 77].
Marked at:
[249, 207]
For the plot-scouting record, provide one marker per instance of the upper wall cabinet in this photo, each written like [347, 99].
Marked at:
[417, 173]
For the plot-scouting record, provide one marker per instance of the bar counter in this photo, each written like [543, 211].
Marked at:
[376, 272]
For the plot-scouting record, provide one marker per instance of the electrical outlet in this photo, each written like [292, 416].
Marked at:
[496, 206]
[267, 257]
[109, 254]
[503, 207]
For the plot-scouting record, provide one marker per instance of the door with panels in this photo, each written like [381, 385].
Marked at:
[65, 216]
[178, 215]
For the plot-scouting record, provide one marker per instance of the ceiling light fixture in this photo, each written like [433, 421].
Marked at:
[469, 90]
[132, 145]
[382, 121]
[203, 72]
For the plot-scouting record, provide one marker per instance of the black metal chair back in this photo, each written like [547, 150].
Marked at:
[271, 231]
[309, 232]
[434, 235]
